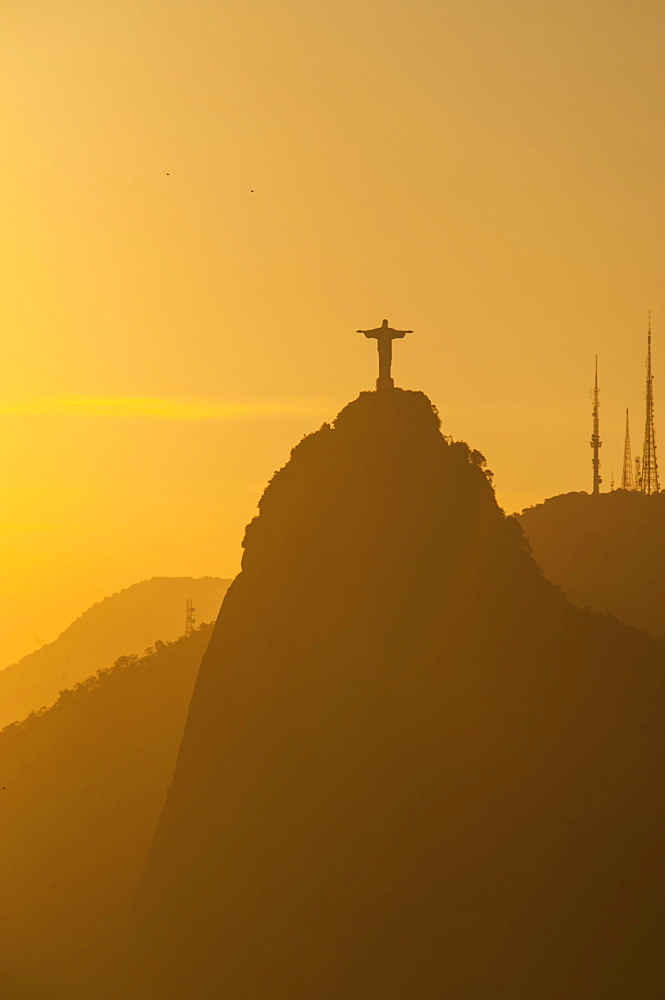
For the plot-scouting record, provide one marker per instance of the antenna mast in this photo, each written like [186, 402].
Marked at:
[627, 477]
[190, 620]
[596, 443]
[649, 483]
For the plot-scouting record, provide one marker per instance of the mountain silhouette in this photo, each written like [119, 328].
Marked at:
[606, 552]
[125, 623]
[410, 768]
[81, 787]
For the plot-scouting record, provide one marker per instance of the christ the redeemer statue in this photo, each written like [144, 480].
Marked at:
[384, 337]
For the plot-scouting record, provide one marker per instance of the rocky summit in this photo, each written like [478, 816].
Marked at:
[410, 768]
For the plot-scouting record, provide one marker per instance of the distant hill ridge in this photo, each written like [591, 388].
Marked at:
[606, 552]
[81, 786]
[125, 623]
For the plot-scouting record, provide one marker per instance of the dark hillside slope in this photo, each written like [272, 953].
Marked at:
[125, 623]
[410, 769]
[81, 787]
[606, 552]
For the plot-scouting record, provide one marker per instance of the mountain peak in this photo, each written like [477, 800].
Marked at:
[398, 719]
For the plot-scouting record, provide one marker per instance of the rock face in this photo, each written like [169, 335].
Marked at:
[410, 769]
[606, 552]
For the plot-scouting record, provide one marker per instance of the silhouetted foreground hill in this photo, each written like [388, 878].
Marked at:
[81, 787]
[123, 624]
[410, 769]
[606, 552]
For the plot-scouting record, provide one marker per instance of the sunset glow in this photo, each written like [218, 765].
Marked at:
[202, 202]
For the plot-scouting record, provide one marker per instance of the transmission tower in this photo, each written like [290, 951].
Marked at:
[638, 473]
[596, 443]
[649, 482]
[627, 477]
[190, 620]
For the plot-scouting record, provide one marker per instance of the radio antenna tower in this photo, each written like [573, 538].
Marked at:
[649, 482]
[596, 443]
[190, 620]
[627, 477]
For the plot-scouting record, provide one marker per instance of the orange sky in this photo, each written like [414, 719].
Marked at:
[202, 200]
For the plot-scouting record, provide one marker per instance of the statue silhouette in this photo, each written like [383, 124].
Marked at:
[384, 337]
